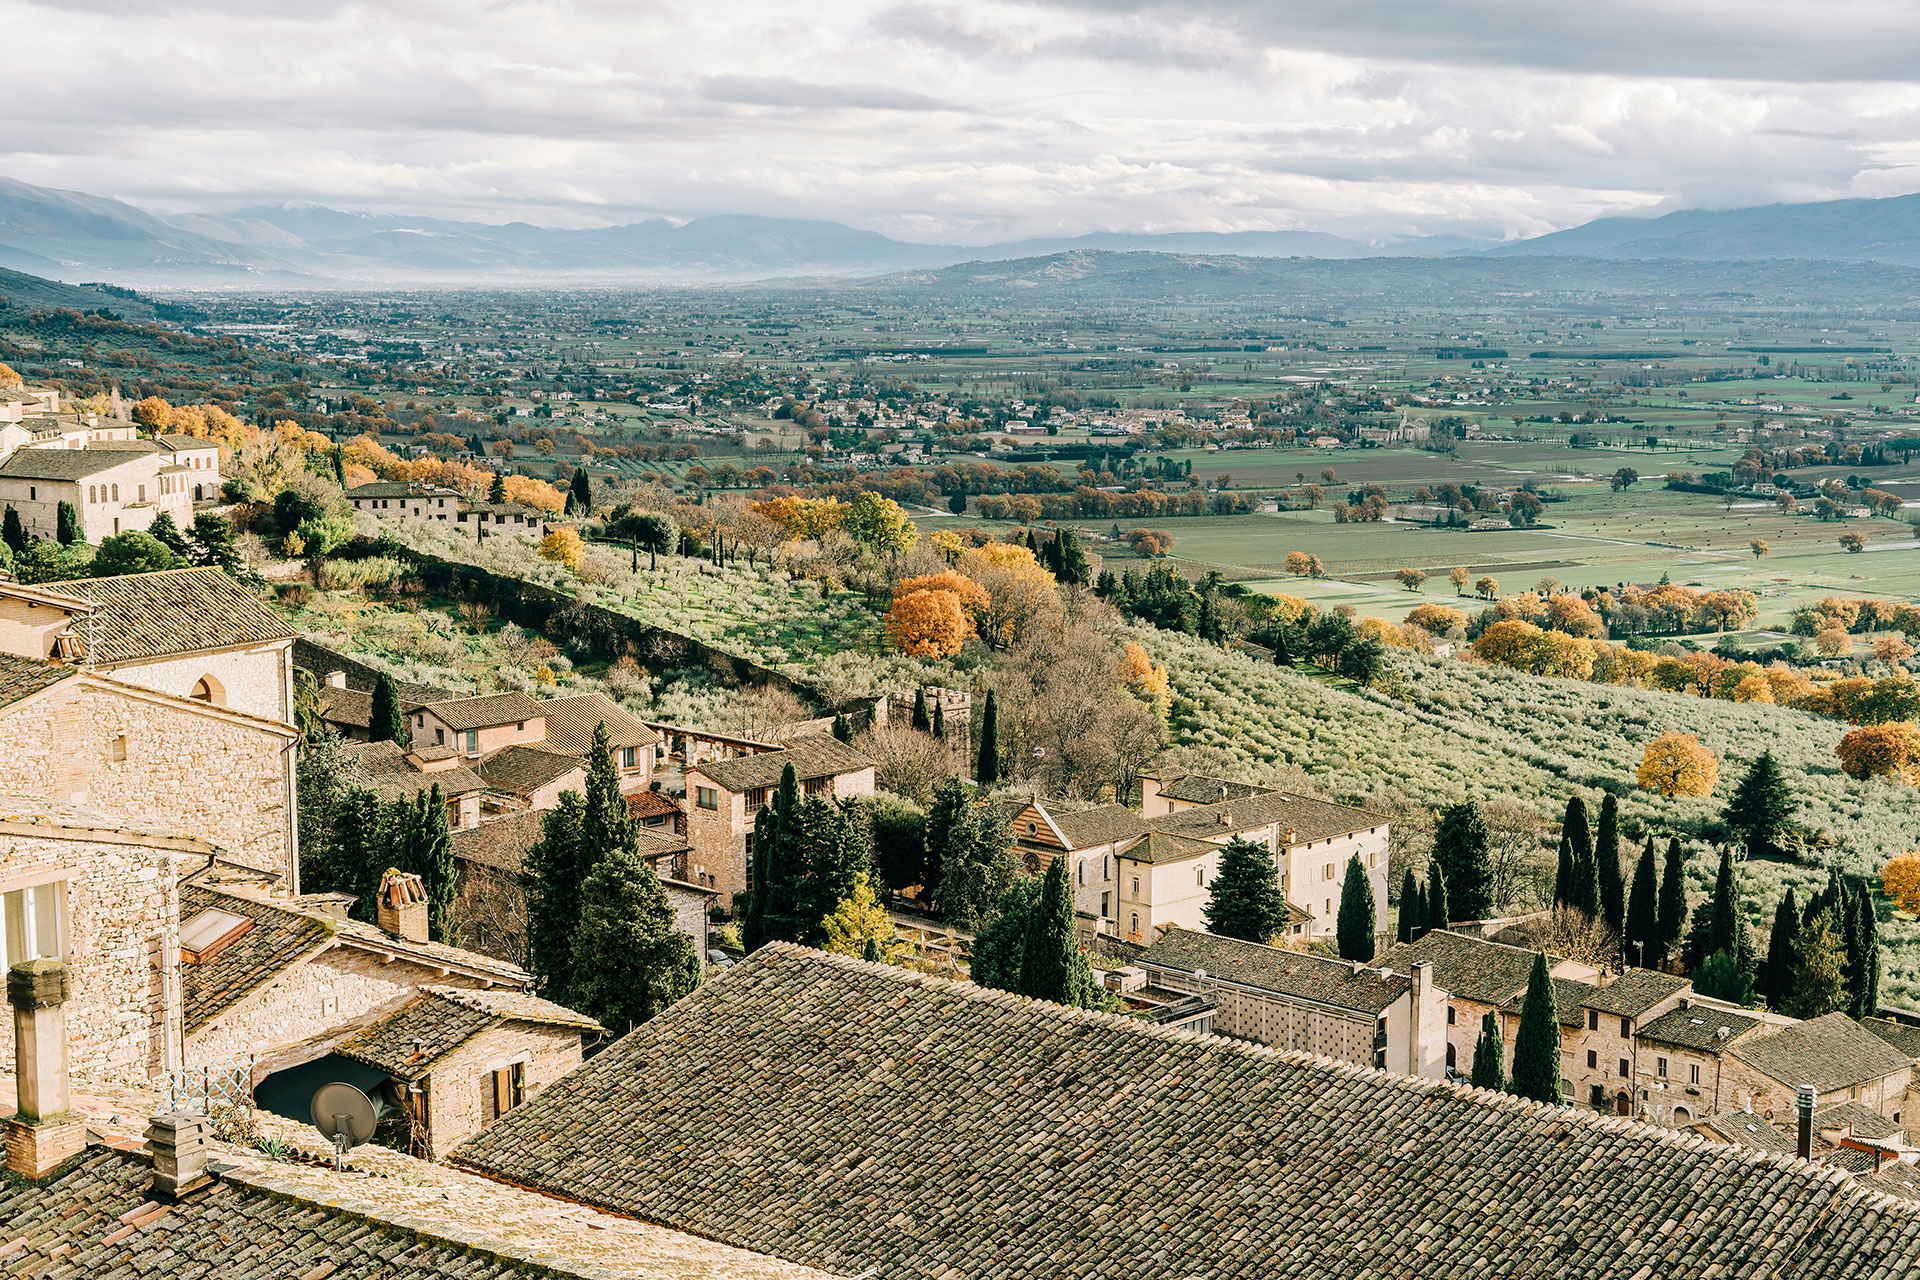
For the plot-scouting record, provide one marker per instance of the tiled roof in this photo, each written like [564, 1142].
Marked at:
[1290, 973]
[1471, 968]
[1745, 1129]
[485, 710]
[66, 464]
[571, 722]
[1569, 1000]
[1898, 1034]
[647, 804]
[1698, 1027]
[1864, 1121]
[357, 933]
[1197, 788]
[820, 757]
[1828, 1053]
[406, 1043]
[22, 676]
[1634, 992]
[44, 811]
[1310, 819]
[278, 941]
[1104, 825]
[523, 770]
[1895, 1178]
[384, 767]
[867, 1119]
[1158, 846]
[346, 706]
[153, 615]
[400, 489]
[178, 443]
[500, 843]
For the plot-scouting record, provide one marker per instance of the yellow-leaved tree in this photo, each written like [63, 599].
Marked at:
[564, 547]
[1675, 764]
[1881, 751]
[860, 926]
[1901, 879]
[927, 624]
[1150, 683]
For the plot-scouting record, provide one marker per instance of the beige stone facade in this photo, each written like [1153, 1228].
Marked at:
[456, 1090]
[256, 680]
[720, 823]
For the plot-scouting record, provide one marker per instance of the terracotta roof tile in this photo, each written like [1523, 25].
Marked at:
[523, 770]
[278, 940]
[22, 676]
[571, 722]
[152, 615]
[406, 1043]
[1289, 973]
[1828, 1053]
[819, 757]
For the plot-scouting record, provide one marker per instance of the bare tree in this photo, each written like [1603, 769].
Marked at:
[906, 761]
[1517, 849]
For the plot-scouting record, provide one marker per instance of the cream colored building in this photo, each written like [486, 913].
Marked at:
[114, 487]
[406, 500]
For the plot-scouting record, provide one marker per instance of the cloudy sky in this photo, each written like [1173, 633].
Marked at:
[975, 121]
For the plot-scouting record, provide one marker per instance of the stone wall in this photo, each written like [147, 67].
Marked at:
[122, 942]
[163, 766]
[453, 1090]
[257, 680]
[1274, 1020]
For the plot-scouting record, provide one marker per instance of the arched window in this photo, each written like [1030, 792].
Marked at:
[91, 491]
[1449, 1057]
[1682, 1116]
[116, 493]
[207, 689]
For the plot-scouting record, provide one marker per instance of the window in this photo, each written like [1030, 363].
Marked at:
[1080, 873]
[143, 494]
[1327, 872]
[1660, 1067]
[1136, 922]
[501, 1091]
[92, 491]
[117, 747]
[439, 737]
[1626, 1068]
[627, 759]
[1626, 1028]
[473, 739]
[816, 786]
[1593, 1020]
[757, 799]
[1200, 877]
[1136, 886]
[1593, 1060]
[1450, 1056]
[1106, 866]
[1329, 906]
[705, 798]
[30, 922]
[1449, 1007]
[116, 493]
[204, 933]
[203, 690]
[1032, 828]
[1106, 905]
[1693, 1073]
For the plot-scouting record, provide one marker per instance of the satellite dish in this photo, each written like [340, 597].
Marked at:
[344, 1114]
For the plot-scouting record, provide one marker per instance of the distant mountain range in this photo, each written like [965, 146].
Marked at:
[72, 236]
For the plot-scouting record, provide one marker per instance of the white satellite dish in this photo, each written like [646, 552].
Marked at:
[345, 1115]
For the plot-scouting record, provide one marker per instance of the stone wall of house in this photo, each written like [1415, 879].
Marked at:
[453, 1089]
[257, 680]
[719, 839]
[121, 939]
[690, 917]
[137, 501]
[1675, 1098]
[1305, 878]
[340, 989]
[1775, 1098]
[167, 768]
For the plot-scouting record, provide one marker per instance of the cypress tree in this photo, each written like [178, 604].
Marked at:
[1536, 1046]
[1606, 857]
[1583, 891]
[497, 490]
[1819, 970]
[340, 466]
[987, 768]
[1354, 926]
[580, 492]
[606, 823]
[1641, 932]
[550, 878]
[777, 874]
[1052, 965]
[1563, 874]
[431, 858]
[12, 532]
[940, 719]
[357, 848]
[1673, 900]
[1439, 909]
[1776, 973]
[1866, 988]
[385, 722]
[1412, 923]
[633, 959]
[66, 524]
[999, 948]
[167, 533]
[1723, 923]
[1461, 848]
[1244, 900]
[1761, 809]
[921, 721]
[842, 727]
[753, 929]
[1489, 1066]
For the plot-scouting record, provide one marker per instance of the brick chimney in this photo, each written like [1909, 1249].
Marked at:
[44, 1132]
[179, 1145]
[402, 906]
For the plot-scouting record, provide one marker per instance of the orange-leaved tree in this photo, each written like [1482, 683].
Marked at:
[1901, 879]
[928, 624]
[564, 546]
[1881, 751]
[1675, 764]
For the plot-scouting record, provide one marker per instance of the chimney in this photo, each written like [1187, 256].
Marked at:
[402, 906]
[179, 1145]
[1289, 837]
[337, 679]
[44, 1132]
[1804, 1097]
[1417, 1016]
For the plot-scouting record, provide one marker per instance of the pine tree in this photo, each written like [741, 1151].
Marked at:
[1461, 847]
[1641, 929]
[842, 727]
[212, 544]
[1606, 857]
[1244, 900]
[1536, 1046]
[66, 524]
[987, 768]
[12, 532]
[1819, 977]
[1673, 900]
[1761, 809]
[1412, 924]
[1354, 926]
[1052, 965]
[1775, 982]
[550, 880]
[497, 490]
[386, 723]
[1439, 908]
[920, 720]
[167, 534]
[970, 848]
[999, 947]
[1489, 1066]
[632, 958]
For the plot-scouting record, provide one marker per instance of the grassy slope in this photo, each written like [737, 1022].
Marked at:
[22, 290]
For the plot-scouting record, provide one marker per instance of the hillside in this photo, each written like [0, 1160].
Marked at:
[21, 292]
[1885, 230]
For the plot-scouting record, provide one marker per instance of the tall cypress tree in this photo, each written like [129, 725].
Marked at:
[497, 488]
[12, 532]
[1606, 858]
[1439, 907]
[66, 524]
[357, 849]
[940, 718]
[1723, 923]
[633, 958]
[1582, 893]
[920, 718]
[1641, 930]
[1761, 809]
[606, 823]
[1355, 923]
[550, 878]
[431, 858]
[385, 722]
[1489, 1066]
[1819, 970]
[1775, 979]
[1673, 901]
[1412, 923]
[580, 492]
[1244, 900]
[1461, 847]
[987, 768]
[1536, 1046]
[777, 874]
[1852, 940]
[1563, 874]
[1866, 990]
[1052, 965]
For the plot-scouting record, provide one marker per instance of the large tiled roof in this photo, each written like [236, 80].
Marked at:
[384, 767]
[1828, 1053]
[485, 710]
[1197, 788]
[523, 770]
[1698, 1027]
[1745, 1129]
[1104, 825]
[1290, 973]
[1471, 968]
[1898, 1034]
[153, 615]
[500, 843]
[1569, 1001]
[1634, 992]
[406, 1043]
[67, 464]
[179, 443]
[1861, 1120]
[1311, 820]
[1159, 846]
[870, 1120]
[819, 757]
[571, 722]
[40, 810]
[278, 940]
[22, 676]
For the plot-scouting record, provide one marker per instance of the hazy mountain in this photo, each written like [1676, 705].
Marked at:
[21, 291]
[69, 235]
[1886, 230]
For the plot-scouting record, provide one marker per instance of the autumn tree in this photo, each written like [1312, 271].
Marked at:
[563, 546]
[1459, 579]
[1412, 579]
[1853, 543]
[1675, 764]
[879, 525]
[1487, 588]
[860, 926]
[1881, 751]
[1901, 879]
[928, 624]
[1760, 547]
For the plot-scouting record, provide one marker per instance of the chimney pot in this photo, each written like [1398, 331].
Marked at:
[401, 909]
[1804, 1096]
[179, 1145]
[44, 1132]
[337, 679]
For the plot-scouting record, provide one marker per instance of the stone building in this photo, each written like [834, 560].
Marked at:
[724, 796]
[1479, 978]
[1832, 1055]
[1091, 840]
[405, 500]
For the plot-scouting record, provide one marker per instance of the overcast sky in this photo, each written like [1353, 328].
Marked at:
[975, 121]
